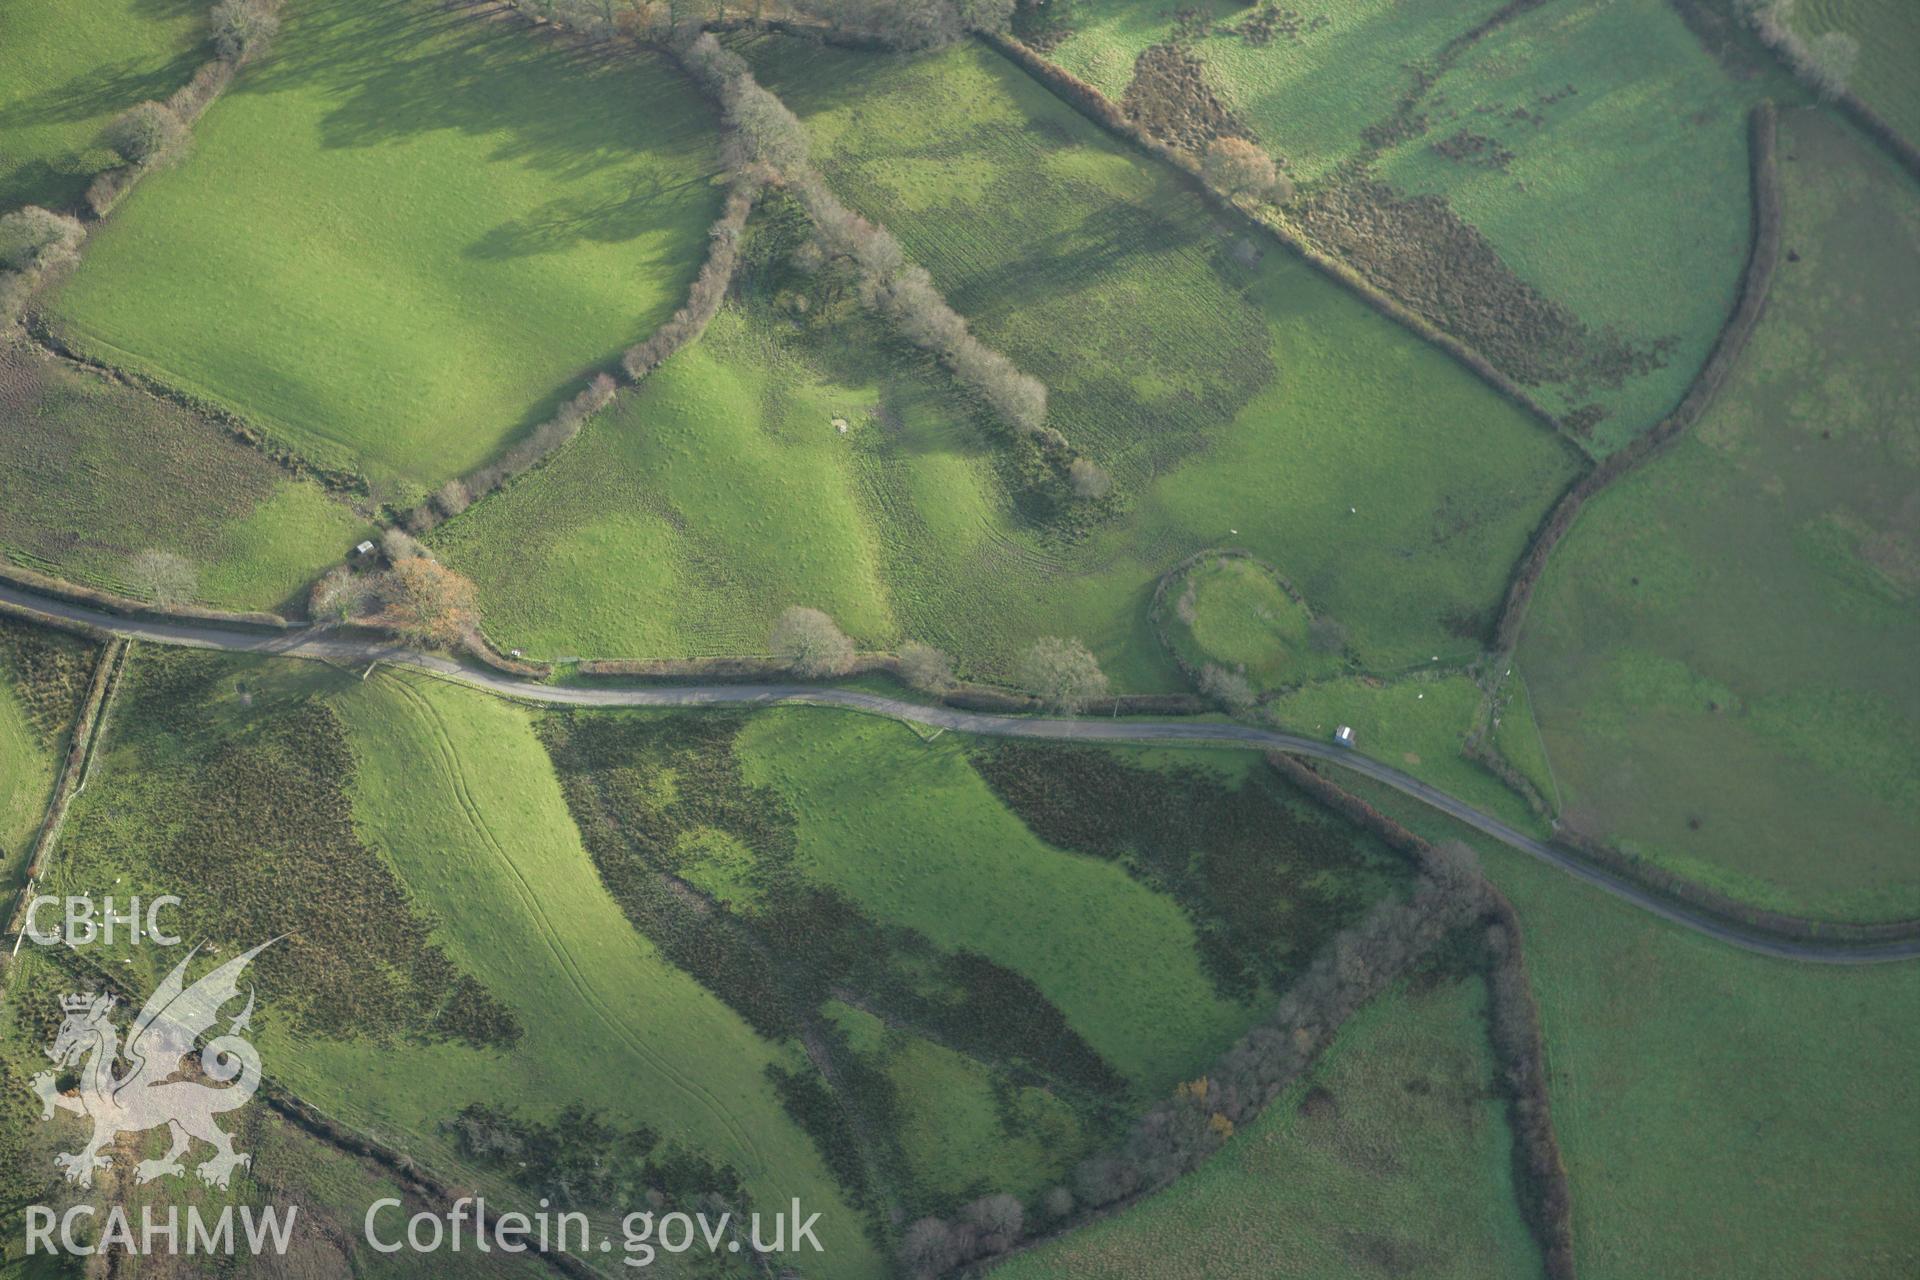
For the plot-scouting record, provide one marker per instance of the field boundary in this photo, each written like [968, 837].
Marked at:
[1100, 109]
[1763, 256]
[73, 774]
[1540, 1174]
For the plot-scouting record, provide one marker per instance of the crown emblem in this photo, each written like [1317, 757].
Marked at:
[77, 1003]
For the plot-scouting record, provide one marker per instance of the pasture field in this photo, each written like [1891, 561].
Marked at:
[404, 236]
[66, 70]
[1585, 115]
[451, 943]
[914, 835]
[96, 472]
[43, 682]
[1721, 1114]
[1391, 1159]
[1722, 652]
[1258, 405]
[685, 517]
[1889, 36]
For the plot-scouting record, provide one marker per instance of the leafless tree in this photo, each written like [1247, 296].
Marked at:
[166, 577]
[925, 667]
[810, 642]
[146, 134]
[1063, 673]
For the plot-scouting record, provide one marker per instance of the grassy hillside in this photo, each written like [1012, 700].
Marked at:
[66, 70]
[1391, 1159]
[1243, 400]
[1585, 115]
[96, 472]
[1721, 1114]
[404, 235]
[449, 943]
[947, 862]
[1722, 654]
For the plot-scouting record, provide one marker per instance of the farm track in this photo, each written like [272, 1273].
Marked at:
[321, 644]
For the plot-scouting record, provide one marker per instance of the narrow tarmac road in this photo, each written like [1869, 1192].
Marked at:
[346, 648]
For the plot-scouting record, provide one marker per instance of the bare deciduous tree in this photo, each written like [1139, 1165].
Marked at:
[146, 134]
[33, 239]
[241, 28]
[339, 595]
[1089, 479]
[810, 642]
[1231, 689]
[1063, 673]
[925, 667]
[166, 577]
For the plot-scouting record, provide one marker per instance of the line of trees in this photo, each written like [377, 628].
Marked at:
[911, 24]
[768, 141]
[1180, 1133]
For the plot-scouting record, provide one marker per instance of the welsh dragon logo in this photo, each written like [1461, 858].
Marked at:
[147, 1093]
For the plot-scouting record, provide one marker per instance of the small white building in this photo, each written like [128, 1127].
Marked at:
[1344, 735]
[363, 549]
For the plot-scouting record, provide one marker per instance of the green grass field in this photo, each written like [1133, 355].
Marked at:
[1651, 113]
[455, 790]
[912, 833]
[66, 70]
[1722, 653]
[1392, 1159]
[96, 472]
[1256, 405]
[1720, 1114]
[405, 236]
[1889, 36]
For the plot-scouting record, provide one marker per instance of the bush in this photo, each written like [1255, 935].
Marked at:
[146, 134]
[810, 643]
[33, 239]
[1063, 673]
